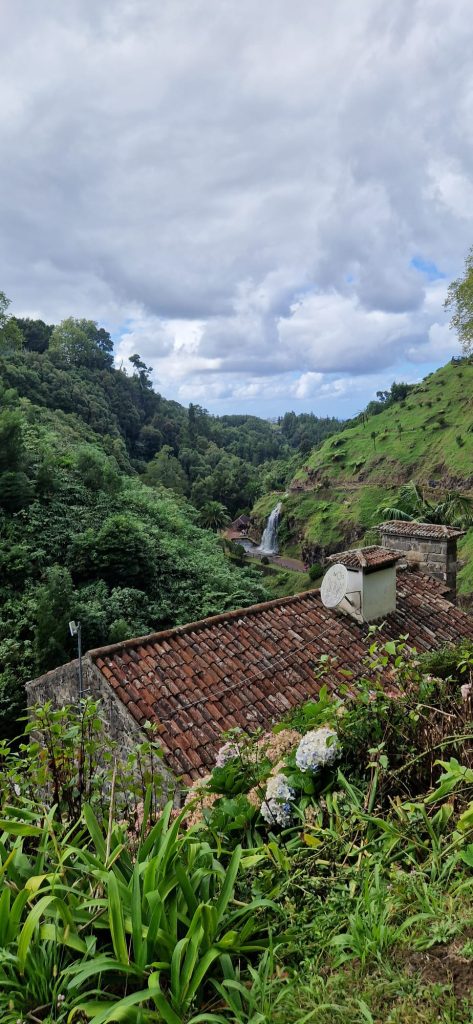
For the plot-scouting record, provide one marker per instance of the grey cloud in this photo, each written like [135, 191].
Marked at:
[220, 163]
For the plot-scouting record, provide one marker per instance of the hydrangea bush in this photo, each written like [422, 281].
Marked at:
[274, 773]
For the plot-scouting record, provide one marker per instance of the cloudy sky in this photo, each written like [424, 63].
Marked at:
[265, 198]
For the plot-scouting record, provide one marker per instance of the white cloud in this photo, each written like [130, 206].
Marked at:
[243, 186]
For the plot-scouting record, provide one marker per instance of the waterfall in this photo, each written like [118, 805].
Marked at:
[269, 540]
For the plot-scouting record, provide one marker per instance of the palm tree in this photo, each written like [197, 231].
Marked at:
[214, 516]
[454, 509]
[410, 505]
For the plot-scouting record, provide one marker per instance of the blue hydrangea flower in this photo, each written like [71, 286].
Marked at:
[276, 808]
[317, 748]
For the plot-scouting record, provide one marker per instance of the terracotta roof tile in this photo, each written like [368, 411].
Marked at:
[426, 531]
[195, 692]
[373, 557]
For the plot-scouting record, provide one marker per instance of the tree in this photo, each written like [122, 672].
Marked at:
[453, 509]
[11, 338]
[460, 301]
[53, 611]
[166, 471]
[214, 515]
[142, 371]
[120, 553]
[82, 343]
[36, 334]
[16, 489]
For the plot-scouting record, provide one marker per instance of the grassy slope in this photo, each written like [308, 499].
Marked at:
[423, 449]
[427, 438]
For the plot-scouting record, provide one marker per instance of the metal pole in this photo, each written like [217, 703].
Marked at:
[79, 648]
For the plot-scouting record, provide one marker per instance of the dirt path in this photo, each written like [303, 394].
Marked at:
[281, 561]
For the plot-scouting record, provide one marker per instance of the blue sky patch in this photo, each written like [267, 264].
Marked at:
[427, 267]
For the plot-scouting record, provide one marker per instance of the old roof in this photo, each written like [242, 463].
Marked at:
[249, 667]
[373, 557]
[426, 531]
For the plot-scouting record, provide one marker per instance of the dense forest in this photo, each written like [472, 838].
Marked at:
[106, 490]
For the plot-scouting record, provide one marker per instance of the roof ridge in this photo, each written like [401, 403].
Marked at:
[188, 627]
[444, 528]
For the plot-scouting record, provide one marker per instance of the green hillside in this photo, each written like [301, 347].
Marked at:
[427, 438]
[83, 537]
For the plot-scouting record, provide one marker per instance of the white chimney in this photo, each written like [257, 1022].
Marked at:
[362, 583]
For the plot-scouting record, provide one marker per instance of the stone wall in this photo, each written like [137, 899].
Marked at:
[61, 686]
[436, 557]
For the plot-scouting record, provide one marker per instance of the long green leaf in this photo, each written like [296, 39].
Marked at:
[95, 832]
[46, 902]
[100, 964]
[139, 941]
[115, 916]
[19, 828]
[176, 960]
[189, 894]
[227, 888]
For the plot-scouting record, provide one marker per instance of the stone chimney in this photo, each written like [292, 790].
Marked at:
[430, 547]
[370, 593]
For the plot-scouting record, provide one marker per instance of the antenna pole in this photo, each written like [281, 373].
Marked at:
[79, 651]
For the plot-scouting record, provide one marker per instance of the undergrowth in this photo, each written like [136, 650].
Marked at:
[357, 908]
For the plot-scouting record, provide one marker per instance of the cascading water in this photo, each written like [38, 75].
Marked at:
[269, 540]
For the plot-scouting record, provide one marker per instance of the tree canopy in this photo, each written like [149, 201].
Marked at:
[460, 301]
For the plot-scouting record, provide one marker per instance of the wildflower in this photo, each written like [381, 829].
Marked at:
[317, 748]
[276, 745]
[254, 796]
[276, 807]
[198, 800]
[227, 753]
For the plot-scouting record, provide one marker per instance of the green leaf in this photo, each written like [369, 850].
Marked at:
[115, 916]
[19, 828]
[33, 919]
[139, 942]
[467, 855]
[95, 832]
[83, 971]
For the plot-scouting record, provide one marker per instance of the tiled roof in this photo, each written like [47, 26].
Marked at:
[426, 531]
[373, 557]
[249, 667]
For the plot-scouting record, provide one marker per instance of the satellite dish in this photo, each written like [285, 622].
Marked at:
[334, 585]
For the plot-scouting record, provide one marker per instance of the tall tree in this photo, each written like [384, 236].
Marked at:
[82, 343]
[36, 334]
[11, 338]
[460, 301]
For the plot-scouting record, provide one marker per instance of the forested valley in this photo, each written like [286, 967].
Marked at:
[111, 496]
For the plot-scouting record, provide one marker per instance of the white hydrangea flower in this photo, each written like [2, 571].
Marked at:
[276, 807]
[227, 753]
[317, 748]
